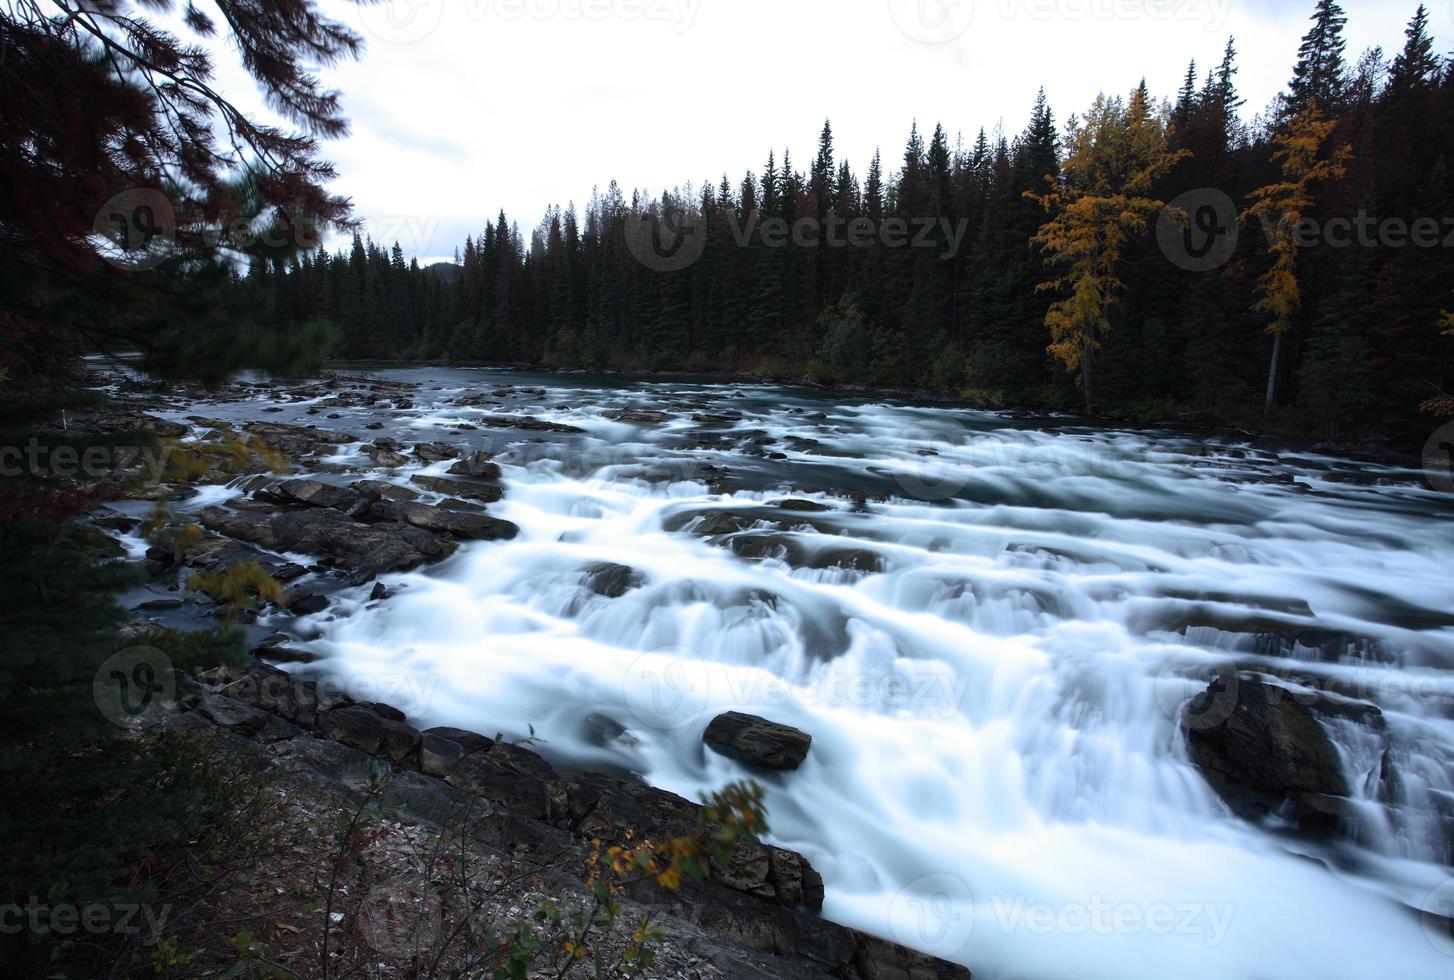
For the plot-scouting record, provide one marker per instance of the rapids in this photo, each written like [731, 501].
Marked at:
[997, 774]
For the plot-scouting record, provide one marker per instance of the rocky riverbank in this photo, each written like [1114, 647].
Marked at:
[754, 916]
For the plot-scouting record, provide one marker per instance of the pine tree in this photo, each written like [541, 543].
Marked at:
[1320, 73]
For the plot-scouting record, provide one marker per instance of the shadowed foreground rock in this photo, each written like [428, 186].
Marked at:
[1264, 748]
[757, 741]
[754, 917]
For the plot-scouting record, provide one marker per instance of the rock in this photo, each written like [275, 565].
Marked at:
[295, 439]
[387, 458]
[438, 755]
[516, 778]
[152, 605]
[799, 504]
[854, 559]
[281, 653]
[435, 452]
[639, 416]
[527, 422]
[470, 741]
[333, 760]
[759, 897]
[461, 524]
[477, 465]
[378, 592]
[364, 550]
[385, 489]
[364, 729]
[1263, 748]
[227, 713]
[484, 492]
[757, 741]
[611, 580]
[306, 603]
[311, 493]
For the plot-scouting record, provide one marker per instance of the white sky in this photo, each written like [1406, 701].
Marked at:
[462, 107]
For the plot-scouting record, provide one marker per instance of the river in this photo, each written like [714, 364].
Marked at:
[989, 631]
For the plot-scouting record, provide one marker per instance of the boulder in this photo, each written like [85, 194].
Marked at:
[435, 452]
[638, 416]
[444, 520]
[799, 504]
[756, 741]
[363, 728]
[610, 579]
[477, 465]
[384, 452]
[364, 550]
[310, 493]
[385, 489]
[1264, 749]
[486, 493]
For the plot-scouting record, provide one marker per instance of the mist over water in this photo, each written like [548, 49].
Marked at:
[997, 775]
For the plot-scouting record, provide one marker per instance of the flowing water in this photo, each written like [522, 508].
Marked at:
[997, 774]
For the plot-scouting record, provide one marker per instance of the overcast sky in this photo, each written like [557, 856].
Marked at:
[463, 107]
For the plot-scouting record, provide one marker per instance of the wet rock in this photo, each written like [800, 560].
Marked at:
[486, 493]
[717, 419]
[528, 423]
[295, 439]
[307, 603]
[435, 452]
[477, 465]
[757, 741]
[443, 520]
[470, 741]
[379, 592]
[799, 504]
[310, 493]
[384, 456]
[638, 416]
[610, 579]
[155, 605]
[276, 649]
[385, 489]
[854, 559]
[364, 550]
[1264, 748]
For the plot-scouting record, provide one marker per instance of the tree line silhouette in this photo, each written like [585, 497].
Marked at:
[1058, 267]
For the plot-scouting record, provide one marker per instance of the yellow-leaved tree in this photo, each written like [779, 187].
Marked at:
[1281, 208]
[1115, 153]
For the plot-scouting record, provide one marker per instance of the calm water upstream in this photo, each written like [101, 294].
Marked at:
[997, 774]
